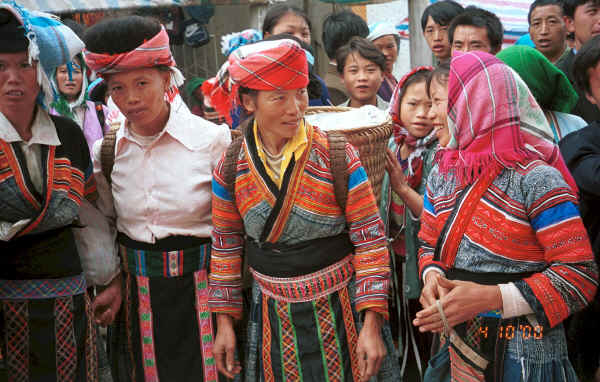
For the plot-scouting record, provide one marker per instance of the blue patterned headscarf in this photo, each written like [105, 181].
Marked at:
[51, 44]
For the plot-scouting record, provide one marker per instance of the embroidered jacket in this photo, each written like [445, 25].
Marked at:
[526, 221]
[308, 210]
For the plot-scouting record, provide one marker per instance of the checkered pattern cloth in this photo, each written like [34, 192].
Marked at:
[266, 65]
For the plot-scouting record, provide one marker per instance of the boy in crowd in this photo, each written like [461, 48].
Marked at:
[435, 21]
[581, 151]
[338, 29]
[582, 18]
[547, 28]
[361, 66]
[476, 29]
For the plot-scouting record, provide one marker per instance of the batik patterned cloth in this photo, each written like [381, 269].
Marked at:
[306, 333]
[526, 221]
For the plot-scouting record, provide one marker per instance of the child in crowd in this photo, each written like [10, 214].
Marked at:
[409, 160]
[361, 66]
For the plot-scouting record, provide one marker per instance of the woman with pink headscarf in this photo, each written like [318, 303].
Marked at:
[504, 256]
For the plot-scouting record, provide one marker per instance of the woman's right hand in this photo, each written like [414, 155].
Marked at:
[397, 176]
[432, 290]
[224, 347]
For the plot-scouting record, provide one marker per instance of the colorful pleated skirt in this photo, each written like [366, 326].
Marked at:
[306, 329]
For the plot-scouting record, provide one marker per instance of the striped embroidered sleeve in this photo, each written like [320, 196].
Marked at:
[367, 233]
[570, 280]
[225, 279]
[431, 227]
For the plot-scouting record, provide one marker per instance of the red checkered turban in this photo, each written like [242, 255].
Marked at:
[266, 65]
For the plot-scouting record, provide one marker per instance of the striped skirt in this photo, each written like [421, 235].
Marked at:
[164, 329]
[306, 329]
[47, 330]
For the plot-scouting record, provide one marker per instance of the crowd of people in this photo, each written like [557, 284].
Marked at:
[233, 240]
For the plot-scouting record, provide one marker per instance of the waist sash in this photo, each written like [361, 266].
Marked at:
[42, 289]
[308, 287]
[277, 260]
[172, 256]
[486, 278]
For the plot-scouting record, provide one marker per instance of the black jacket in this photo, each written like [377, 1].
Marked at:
[584, 108]
[581, 151]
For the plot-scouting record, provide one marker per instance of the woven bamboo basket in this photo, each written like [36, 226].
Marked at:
[370, 141]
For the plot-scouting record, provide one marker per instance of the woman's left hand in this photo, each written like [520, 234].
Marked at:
[370, 348]
[464, 301]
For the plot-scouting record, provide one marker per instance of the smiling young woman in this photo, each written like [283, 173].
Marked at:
[281, 212]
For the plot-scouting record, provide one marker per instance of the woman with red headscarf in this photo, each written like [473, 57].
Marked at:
[154, 180]
[504, 256]
[311, 277]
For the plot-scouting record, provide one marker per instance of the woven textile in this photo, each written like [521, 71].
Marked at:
[331, 353]
[266, 65]
[308, 211]
[66, 351]
[16, 337]
[288, 344]
[496, 125]
[205, 325]
[146, 330]
[51, 43]
[165, 263]
[309, 287]
[40, 289]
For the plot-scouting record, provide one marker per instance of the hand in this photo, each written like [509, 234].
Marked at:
[463, 302]
[397, 177]
[370, 348]
[224, 347]
[432, 290]
[107, 303]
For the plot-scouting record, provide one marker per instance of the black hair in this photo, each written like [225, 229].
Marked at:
[75, 27]
[480, 18]
[314, 85]
[98, 93]
[569, 6]
[418, 77]
[121, 34]
[440, 74]
[587, 57]
[543, 3]
[276, 12]
[365, 48]
[442, 12]
[339, 28]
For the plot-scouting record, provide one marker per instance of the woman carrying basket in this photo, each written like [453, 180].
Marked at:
[504, 256]
[311, 278]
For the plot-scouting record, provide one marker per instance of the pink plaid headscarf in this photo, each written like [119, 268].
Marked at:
[494, 121]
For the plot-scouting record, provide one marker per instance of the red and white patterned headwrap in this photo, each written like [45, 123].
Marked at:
[265, 65]
[154, 52]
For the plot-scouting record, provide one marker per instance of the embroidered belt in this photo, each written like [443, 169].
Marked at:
[307, 287]
[42, 288]
[163, 261]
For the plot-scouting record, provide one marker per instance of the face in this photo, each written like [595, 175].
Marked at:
[277, 112]
[468, 38]
[292, 24]
[594, 78]
[140, 95]
[18, 83]
[438, 114]
[585, 23]
[436, 36]
[387, 46]
[362, 79]
[69, 88]
[547, 30]
[414, 110]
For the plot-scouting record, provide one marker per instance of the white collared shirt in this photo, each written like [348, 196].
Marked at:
[163, 188]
